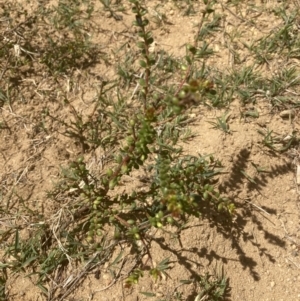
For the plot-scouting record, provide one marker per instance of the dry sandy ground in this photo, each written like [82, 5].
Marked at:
[259, 250]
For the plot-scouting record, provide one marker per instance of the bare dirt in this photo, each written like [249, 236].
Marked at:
[259, 250]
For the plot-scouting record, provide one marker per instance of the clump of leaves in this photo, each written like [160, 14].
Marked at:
[222, 123]
[212, 287]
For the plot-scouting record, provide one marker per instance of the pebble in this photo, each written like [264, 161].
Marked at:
[272, 284]
[107, 278]
[287, 113]
[108, 14]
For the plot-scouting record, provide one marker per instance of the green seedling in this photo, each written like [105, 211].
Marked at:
[250, 113]
[221, 123]
[160, 270]
[260, 169]
[212, 287]
[250, 179]
[275, 142]
[133, 278]
[107, 6]
[280, 41]
[284, 80]
[159, 18]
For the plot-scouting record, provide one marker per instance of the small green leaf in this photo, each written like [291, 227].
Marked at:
[17, 242]
[2, 96]
[118, 258]
[252, 113]
[250, 179]
[141, 34]
[186, 281]
[209, 10]
[220, 206]
[43, 289]
[143, 12]
[147, 294]
[149, 41]
[140, 45]
[191, 48]
[145, 22]
[142, 82]
[106, 3]
[188, 59]
[28, 261]
[143, 63]
[183, 67]
[164, 263]
[112, 184]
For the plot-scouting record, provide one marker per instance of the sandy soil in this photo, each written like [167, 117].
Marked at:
[259, 250]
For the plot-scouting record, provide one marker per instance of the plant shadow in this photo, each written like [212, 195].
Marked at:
[233, 228]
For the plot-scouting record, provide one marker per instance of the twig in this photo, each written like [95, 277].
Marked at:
[114, 281]
[137, 86]
[258, 207]
[298, 266]
[71, 283]
[243, 20]
[195, 45]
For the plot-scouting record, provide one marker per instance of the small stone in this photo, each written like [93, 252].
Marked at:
[139, 243]
[287, 138]
[145, 260]
[287, 114]
[272, 284]
[159, 294]
[171, 12]
[108, 14]
[107, 278]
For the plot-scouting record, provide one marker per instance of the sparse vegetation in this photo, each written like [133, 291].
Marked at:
[137, 122]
